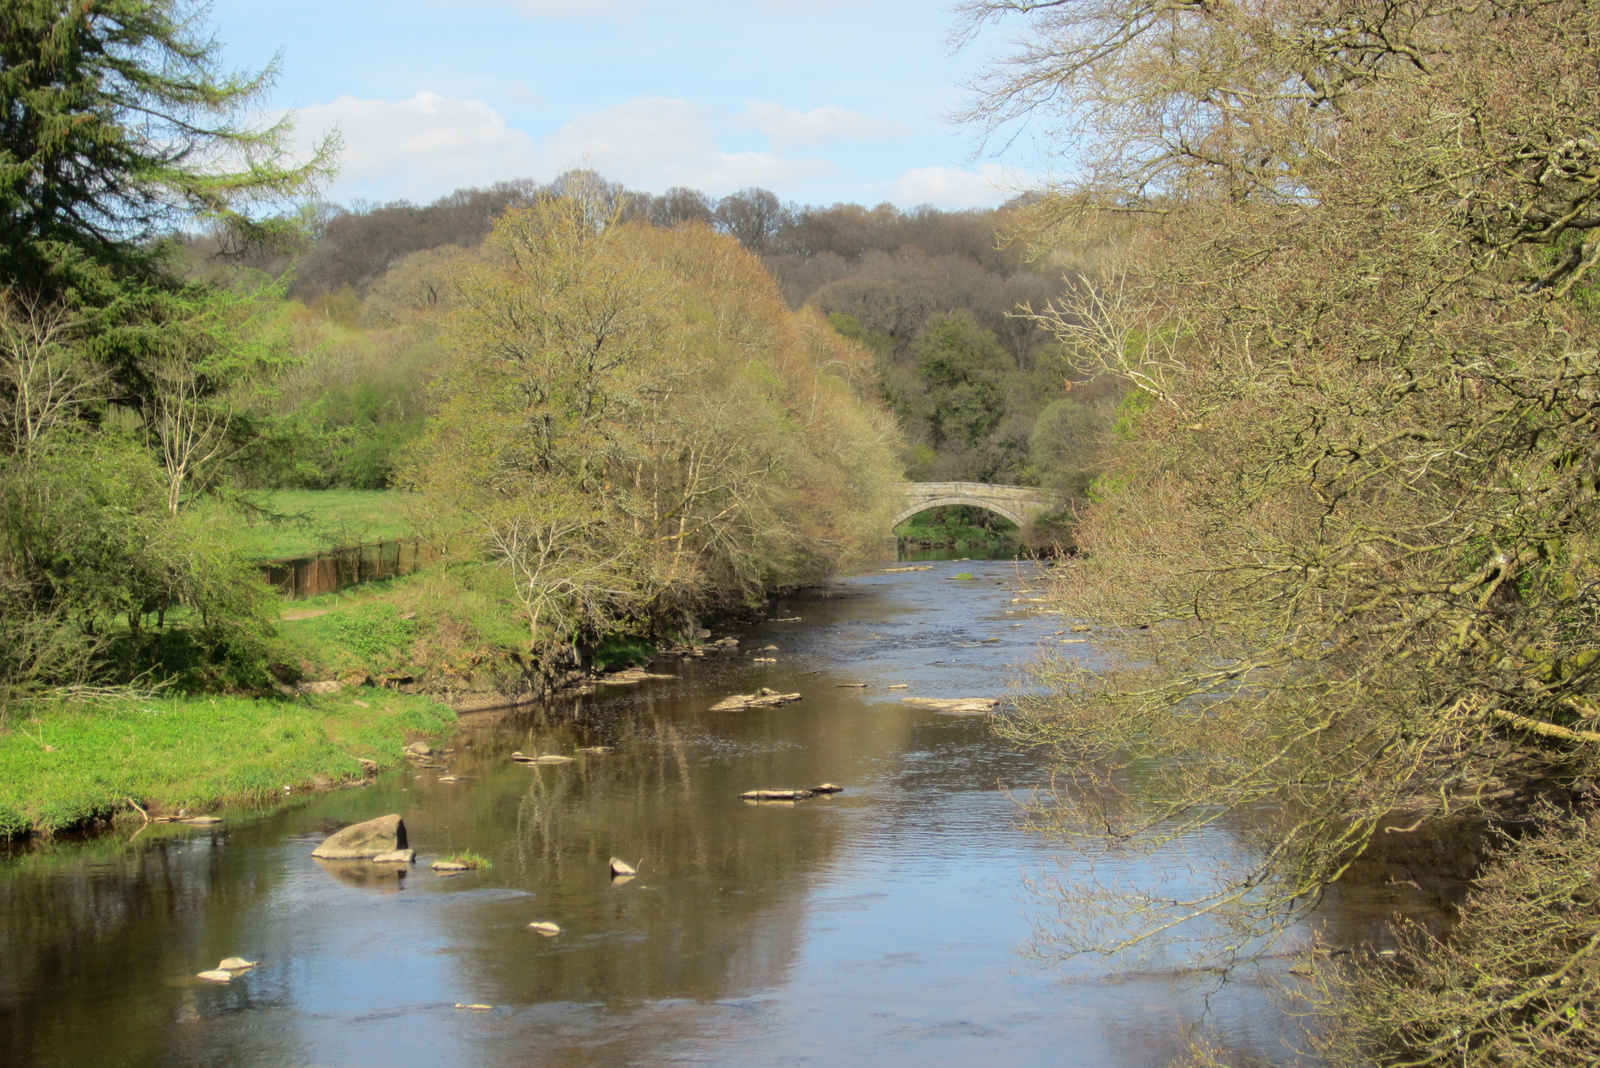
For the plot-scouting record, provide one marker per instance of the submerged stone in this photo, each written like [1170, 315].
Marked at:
[762, 698]
[956, 706]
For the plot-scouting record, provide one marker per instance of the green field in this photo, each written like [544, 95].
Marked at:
[64, 763]
[325, 519]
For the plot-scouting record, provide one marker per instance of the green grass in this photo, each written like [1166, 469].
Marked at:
[470, 859]
[375, 630]
[457, 620]
[328, 519]
[965, 576]
[621, 651]
[63, 763]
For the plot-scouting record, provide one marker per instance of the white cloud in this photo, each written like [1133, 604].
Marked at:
[953, 187]
[655, 143]
[787, 127]
[428, 145]
[421, 147]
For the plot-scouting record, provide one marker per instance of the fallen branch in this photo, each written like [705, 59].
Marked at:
[1545, 730]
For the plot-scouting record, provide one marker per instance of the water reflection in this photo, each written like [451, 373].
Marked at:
[877, 924]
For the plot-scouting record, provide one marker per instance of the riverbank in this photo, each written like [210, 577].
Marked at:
[66, 765]
[400, 657]
[455, 633]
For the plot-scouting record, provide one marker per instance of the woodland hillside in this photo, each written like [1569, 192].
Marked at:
[938, 297]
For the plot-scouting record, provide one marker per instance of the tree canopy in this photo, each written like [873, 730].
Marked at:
[1345, 557]
[121, 384]
[632, 425]
[118, 124]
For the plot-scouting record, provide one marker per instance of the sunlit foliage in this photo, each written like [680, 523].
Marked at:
[633, 425]
[1346, 558]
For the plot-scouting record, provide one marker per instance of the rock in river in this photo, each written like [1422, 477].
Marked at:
[959, 706]
[827, 788]
[622, 868]
[216, 975]
[546, 928]
[399, 856]
[362, 841]
[631, 675]
[762, 698]
[236, 964]
[776, 795]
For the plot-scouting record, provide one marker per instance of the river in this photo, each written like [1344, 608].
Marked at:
[883, 924]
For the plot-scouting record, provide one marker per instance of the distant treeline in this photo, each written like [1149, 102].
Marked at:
[980, 390]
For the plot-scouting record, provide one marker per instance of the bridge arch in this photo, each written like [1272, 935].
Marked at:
[1019, 504]
[971, 502]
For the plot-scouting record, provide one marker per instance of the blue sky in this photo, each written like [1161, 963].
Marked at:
[820, 102]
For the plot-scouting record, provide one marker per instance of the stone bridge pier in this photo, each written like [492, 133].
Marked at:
[1020, 504]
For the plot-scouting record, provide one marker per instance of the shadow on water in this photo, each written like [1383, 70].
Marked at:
[879, 924]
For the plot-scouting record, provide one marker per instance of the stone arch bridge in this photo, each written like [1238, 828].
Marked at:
[1016, 503]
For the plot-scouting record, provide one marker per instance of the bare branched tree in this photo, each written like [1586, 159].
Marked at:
[1345, 561]
[43, 383]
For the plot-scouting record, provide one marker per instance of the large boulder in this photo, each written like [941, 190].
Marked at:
[363, 841]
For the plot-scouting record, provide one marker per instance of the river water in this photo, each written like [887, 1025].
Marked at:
[884, 924]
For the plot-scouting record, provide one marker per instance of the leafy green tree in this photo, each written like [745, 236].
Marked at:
[632, 425]
[1068, 445]
[118, 125]
[961, 366]
[121, 383]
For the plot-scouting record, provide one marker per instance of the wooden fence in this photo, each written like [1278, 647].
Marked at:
[335, 569]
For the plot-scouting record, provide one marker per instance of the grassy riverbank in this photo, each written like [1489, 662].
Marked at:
[448, 630]
[64, 764]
